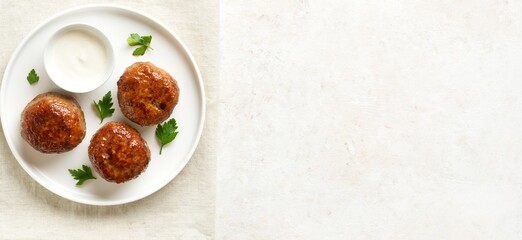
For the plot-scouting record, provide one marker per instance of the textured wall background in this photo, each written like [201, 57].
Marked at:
[184, 209]
[370, 120]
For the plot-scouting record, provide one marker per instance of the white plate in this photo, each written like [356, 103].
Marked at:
[50, 170]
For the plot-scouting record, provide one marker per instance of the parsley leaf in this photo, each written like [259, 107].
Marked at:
[139, 51]
[81, 175]
[104, 106]
[32, 77]
[143, 41]
[134, 39]
[146, 40]
[166, 132]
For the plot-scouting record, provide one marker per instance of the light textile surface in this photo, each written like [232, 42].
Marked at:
[184, 209]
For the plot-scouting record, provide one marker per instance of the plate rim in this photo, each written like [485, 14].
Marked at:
[200, 87]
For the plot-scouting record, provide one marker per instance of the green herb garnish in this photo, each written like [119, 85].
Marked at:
[104, 106]
[166, 132]
[81, 175]
[137, 40]
[32, 77]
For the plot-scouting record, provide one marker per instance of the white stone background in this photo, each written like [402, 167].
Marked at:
[367, 119]
[334, 119]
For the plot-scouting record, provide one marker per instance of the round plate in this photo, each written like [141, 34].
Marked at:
[170, 54]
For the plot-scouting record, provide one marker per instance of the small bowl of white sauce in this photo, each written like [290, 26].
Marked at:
[79, 58]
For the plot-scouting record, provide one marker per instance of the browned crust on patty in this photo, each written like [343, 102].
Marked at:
[118, 153]
[147, 94]
[53, 123]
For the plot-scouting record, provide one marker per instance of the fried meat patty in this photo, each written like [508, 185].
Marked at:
[118, 153]
[53, 123]
[147, 94]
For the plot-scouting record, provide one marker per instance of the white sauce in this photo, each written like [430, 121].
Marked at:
[79, 56]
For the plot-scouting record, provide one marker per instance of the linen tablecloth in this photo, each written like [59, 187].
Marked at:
[184, 209]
